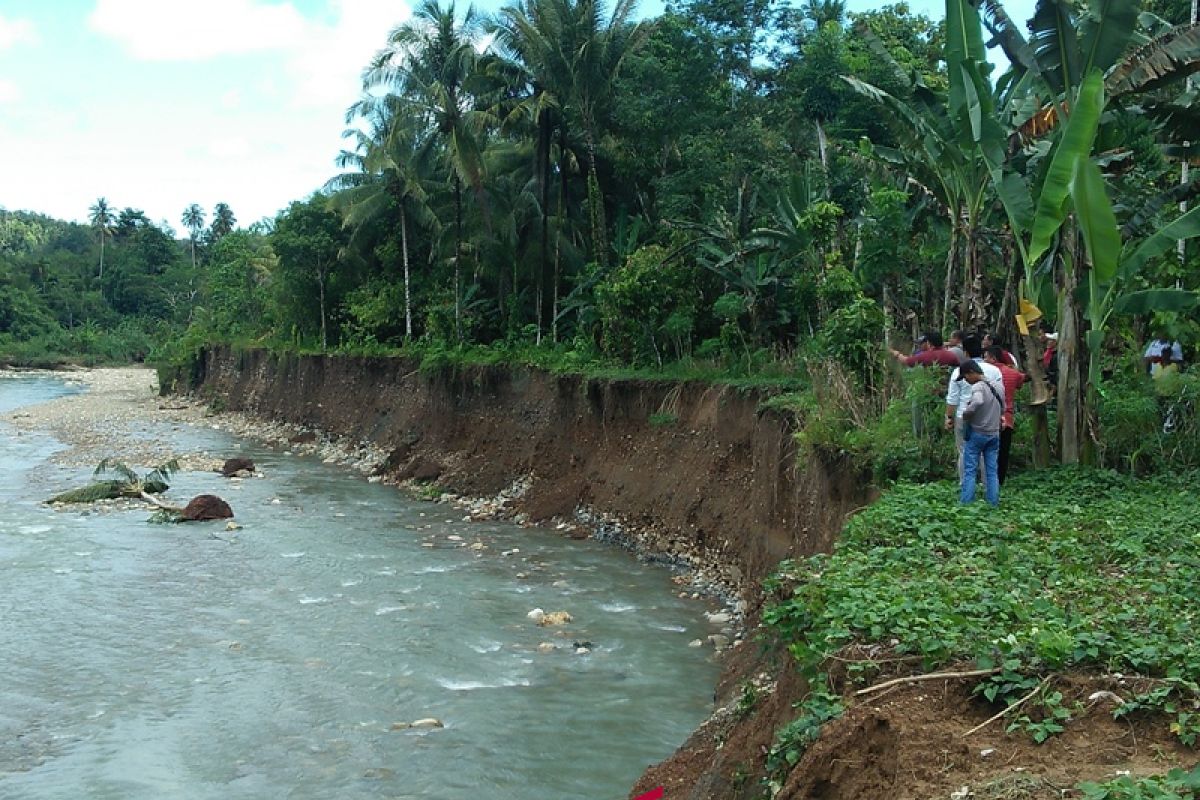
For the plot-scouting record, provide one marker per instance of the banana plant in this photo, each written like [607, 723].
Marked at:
[1073, 54]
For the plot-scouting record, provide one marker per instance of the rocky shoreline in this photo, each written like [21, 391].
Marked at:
[115, 411]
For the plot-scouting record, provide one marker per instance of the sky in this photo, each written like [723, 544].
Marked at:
[158, 104]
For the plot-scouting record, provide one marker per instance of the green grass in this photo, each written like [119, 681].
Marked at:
[1078, 571]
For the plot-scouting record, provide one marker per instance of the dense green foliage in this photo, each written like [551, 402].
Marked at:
[58, 304]
[727, 189]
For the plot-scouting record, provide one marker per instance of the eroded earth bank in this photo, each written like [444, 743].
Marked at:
[705, 479]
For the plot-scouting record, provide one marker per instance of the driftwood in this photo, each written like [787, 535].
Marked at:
[932, 676]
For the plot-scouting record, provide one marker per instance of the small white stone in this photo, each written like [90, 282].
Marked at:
[696, 643]
[537, 615]
[428, 722]
[276, 502]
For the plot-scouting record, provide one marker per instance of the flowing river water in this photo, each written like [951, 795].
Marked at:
[187, 661]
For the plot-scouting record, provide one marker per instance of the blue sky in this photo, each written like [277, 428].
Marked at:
[157, 104]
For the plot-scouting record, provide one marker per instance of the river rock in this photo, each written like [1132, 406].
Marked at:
[206, 506]
[537, 615]
[427, 722]
[554, 618]
[237, 466]
[420, 469]
[718, 641]
[546, 647]
[718, 618]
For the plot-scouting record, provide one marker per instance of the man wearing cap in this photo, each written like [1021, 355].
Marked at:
[958, 394]
[982, 418]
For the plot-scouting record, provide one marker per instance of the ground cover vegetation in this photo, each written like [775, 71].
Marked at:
[1094, 578]
[771, 195]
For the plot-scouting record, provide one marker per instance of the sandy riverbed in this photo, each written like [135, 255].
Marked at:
[117, 415]
[120, 415]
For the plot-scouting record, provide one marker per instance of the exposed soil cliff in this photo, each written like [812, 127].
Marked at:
[713, 478]
[706, 477]
[712, 481]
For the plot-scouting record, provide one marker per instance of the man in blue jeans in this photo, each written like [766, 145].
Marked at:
[982, 437]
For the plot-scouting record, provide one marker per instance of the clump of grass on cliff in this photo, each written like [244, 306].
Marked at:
[1078, 571]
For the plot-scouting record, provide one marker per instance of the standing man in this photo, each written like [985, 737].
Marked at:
[1013, 380]
[931, 353]
[1162, 350]
[955, 345]
[982, 414]
[958, 394]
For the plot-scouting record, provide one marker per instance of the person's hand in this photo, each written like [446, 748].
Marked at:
[949, 423]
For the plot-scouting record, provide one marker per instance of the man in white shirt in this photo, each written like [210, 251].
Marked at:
[958, 393]
[1160, 349]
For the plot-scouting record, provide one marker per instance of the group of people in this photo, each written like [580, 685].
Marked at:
[984, 379]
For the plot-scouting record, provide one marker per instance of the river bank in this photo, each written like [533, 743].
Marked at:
[298, 648]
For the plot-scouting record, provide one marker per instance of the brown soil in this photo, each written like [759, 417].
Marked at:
[719, 488]
[910, 743]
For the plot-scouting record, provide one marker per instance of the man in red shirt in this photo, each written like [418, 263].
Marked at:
[1013, 380]
[931, 353]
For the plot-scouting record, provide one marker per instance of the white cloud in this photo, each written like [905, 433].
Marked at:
[229, 147]
[180, 30]
[16, 31]
[9, 91]
[328, 66]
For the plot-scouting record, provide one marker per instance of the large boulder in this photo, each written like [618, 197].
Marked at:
[233, 466]
[206, 506]
[420, 469]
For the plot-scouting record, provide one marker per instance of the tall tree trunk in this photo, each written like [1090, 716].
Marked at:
[458, 243]
[1070, 355]
[823, 153]
[321, 295]
[562, 198]
[545, 141]
[595, 201]
[951, 265]
[101, 276]
[407, 286]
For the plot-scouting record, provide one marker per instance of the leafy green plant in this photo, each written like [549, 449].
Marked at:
[1079, 570]
[1175, 785]
[820, 706]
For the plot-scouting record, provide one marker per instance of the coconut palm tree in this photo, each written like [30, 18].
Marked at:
[591, 51]
[103, 220]
[429, 61]
[530, 63]
[193, 220]
[385, 173]
[223, 221]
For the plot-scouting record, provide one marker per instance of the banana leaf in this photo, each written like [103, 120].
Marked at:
[1097, 223]
[1150, 300]
[1075, 143]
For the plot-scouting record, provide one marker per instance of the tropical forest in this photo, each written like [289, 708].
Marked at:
[788, 202]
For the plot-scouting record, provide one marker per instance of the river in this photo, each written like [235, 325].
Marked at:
[188, 661]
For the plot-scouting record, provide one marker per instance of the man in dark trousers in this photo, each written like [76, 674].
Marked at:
[982, 415]
[1013, 380]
